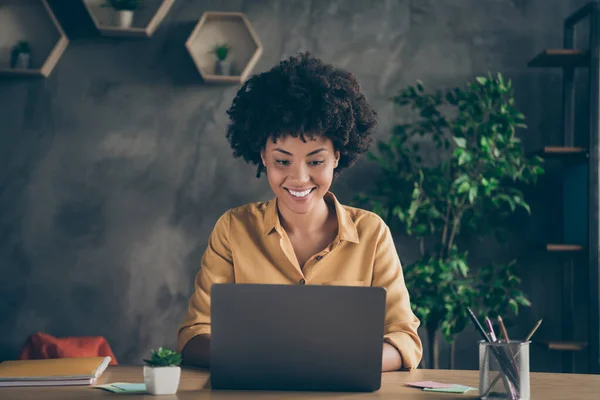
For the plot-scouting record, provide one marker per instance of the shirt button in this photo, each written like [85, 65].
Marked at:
[319, 258]
[302, 281]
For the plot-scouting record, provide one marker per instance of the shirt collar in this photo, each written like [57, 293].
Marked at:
[271, 218]
[346, 227]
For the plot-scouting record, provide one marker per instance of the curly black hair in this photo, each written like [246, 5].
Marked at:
[302, 97]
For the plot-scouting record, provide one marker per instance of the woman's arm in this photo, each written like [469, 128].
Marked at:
[401, 324]
[197, 351]
[193, 336]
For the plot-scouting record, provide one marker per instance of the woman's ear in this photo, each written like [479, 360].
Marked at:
[337, 159]
[263, 159]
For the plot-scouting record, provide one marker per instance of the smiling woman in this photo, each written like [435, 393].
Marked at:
[302, 123]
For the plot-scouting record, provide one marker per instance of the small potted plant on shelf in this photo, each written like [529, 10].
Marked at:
[223, 65]
[20, 56]
[124, 10]
[162, 372]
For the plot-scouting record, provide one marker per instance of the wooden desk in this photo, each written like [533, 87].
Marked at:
[194, 382]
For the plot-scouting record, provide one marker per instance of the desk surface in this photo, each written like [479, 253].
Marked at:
[194, 382]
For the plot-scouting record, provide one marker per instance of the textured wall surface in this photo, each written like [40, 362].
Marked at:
[114, 170]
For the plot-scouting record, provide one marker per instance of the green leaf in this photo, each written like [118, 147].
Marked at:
[464, 157]
[464, 187]
[472, 194]
[523, 301]
[464, 270]
[460, 142]
[514, 305]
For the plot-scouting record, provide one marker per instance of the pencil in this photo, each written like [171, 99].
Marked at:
[503, 329]
[507, 339]
[535, 328]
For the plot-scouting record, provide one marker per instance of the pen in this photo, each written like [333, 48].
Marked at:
[478, 325]
[491, 329]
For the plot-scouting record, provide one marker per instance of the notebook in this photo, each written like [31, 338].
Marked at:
[53, 372]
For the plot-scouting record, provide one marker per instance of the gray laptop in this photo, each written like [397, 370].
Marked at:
[296, 337]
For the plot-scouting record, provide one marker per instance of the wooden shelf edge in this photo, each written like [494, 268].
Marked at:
[107, 30]
[158, 18]
[558, 345]
[55, 56]
[32, 72]
[564, 247]
[561, 152]
[209, 78]
[560, 58]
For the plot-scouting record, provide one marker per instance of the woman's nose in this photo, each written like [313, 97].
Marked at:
[300, 173]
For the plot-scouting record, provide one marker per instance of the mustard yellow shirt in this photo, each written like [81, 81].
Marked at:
[249, 245]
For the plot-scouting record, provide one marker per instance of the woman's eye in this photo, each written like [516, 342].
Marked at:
[316, 162]
[282, 162]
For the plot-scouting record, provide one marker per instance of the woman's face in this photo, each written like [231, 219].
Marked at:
[300, 173]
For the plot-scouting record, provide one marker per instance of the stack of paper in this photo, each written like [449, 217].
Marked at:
[53, 372]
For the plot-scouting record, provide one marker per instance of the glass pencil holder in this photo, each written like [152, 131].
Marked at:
[504, 370]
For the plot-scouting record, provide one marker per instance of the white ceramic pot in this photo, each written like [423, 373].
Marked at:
[223, 67]
[124, 18]
[161, 380]
[23, 61]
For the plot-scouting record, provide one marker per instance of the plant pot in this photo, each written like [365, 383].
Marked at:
[161, 380]
[22, 61]
[223, 67]
[123, 18]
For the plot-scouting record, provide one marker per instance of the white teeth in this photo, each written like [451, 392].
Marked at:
[300, 194]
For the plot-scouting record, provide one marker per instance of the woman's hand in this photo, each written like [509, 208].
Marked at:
[391, 358]
[197, 351]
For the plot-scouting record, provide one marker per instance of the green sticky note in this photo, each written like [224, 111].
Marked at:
[122, 387]
[451, 389]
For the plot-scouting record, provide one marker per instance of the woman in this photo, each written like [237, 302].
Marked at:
[302, 123]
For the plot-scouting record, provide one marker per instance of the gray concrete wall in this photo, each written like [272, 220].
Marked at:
[114, 170]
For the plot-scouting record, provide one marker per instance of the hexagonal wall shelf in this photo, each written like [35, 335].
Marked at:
[139, 23]
[233, 29]
[43, 41]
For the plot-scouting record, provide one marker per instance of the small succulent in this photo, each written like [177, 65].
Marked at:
[221, 51]
[21, 47]
[163, 358]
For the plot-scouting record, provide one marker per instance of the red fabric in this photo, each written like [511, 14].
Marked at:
[41, 346]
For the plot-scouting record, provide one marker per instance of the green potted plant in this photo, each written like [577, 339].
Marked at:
[455, 171]
[162, 371]
[222, 65]
[124, 10]
[20, 56]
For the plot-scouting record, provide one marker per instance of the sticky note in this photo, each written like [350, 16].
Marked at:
[451, 389]
[122, 387]
[429, 384]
